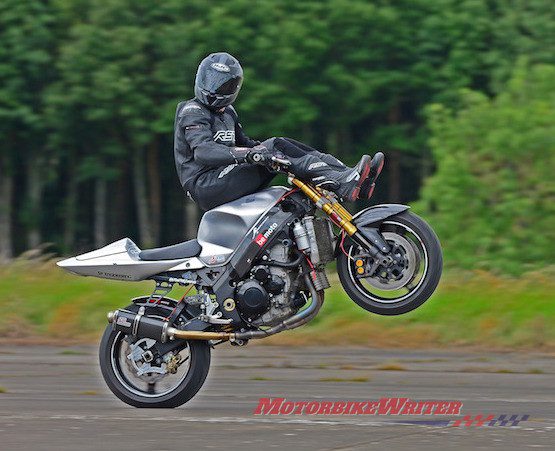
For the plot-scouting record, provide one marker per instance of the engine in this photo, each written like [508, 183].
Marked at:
[270, 294]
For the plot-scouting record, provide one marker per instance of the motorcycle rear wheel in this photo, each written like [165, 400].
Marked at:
[408, 288]
[120, 370]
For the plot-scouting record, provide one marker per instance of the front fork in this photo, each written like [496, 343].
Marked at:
[368, 237]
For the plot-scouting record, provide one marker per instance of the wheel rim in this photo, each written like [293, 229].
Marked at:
[377, 290]
[150, 384]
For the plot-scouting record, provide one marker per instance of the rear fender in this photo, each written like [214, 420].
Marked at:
[167, 304]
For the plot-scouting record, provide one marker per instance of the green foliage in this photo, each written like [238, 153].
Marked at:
[492, 198]
[88, 90]
[469, 308]
[25, 68]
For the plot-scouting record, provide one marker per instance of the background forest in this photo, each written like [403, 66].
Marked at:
[459, 95]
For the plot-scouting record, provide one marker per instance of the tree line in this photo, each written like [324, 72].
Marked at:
[88, 90]
[492, 196]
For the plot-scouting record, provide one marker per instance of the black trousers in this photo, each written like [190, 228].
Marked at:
[224, 184]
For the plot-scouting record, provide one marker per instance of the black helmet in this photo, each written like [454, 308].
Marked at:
[218, 81]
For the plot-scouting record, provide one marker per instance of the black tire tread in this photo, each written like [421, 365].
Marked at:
[423, 293]
[200, 364]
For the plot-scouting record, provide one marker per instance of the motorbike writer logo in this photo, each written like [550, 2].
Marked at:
[389, 407]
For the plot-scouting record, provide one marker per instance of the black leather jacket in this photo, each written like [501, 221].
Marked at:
[204, 140]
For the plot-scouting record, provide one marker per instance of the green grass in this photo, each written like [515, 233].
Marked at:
[88, 393]
[340, 379]
[468, 309]
[41, 299]
[72, 352]
[391, 366]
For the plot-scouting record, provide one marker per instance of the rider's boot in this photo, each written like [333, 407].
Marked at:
[376, 166]
[324, 172]
[346, 184]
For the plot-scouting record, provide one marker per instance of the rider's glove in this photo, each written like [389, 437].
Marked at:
[239, 154]
[258, 155]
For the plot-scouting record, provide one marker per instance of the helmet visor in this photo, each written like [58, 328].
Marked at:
[220, 83]
[231, 86]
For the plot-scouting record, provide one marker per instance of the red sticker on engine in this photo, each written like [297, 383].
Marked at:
[260, 240]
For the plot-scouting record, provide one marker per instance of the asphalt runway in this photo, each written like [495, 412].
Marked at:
[55, 399]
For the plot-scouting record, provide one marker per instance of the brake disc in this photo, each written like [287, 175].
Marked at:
[139, 361]
[388, 281]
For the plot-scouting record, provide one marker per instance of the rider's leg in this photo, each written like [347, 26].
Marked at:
[367, 187]
[309, 166]
[227, 183]
[329, 159]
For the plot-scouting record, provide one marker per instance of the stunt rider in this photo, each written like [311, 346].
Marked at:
[217, 162]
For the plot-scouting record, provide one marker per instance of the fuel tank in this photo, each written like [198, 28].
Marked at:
[222, 228]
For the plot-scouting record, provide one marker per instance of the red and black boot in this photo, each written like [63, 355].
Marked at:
[376, 166]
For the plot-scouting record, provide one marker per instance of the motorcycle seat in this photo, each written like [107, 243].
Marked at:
[187, 249]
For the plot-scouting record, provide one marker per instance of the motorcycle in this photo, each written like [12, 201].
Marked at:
[258, 268]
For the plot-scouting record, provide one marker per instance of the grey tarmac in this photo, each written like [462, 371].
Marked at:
[55, 399]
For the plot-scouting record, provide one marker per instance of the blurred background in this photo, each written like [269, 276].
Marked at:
[459, 95]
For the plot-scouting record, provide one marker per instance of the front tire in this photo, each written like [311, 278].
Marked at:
[423, 264]
[139, 391]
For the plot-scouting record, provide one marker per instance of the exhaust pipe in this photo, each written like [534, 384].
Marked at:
[137, 324]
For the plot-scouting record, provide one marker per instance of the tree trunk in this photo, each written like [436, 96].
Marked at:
[100, 212]
[141, 199]
[119, 203]
[394, 176]
[426, 166]
[6, 190]
[344, 141]
[338, 142]
[191, 219]
[394, 159]
[34, 195]
[70, 210]
[332, 139]
[307, 135]
[155, 195]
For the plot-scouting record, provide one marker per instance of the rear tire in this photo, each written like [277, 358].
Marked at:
[410, 301]
[198, 361]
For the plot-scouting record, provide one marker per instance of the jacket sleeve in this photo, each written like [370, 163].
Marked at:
[197, 129]
[240, 138]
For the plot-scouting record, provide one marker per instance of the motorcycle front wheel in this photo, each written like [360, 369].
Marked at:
[404, 286]
[138, 375]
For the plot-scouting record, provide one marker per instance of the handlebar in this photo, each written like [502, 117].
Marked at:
[281, 161]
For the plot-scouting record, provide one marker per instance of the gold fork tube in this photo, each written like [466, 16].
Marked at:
[340, 209]
[336, 211]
